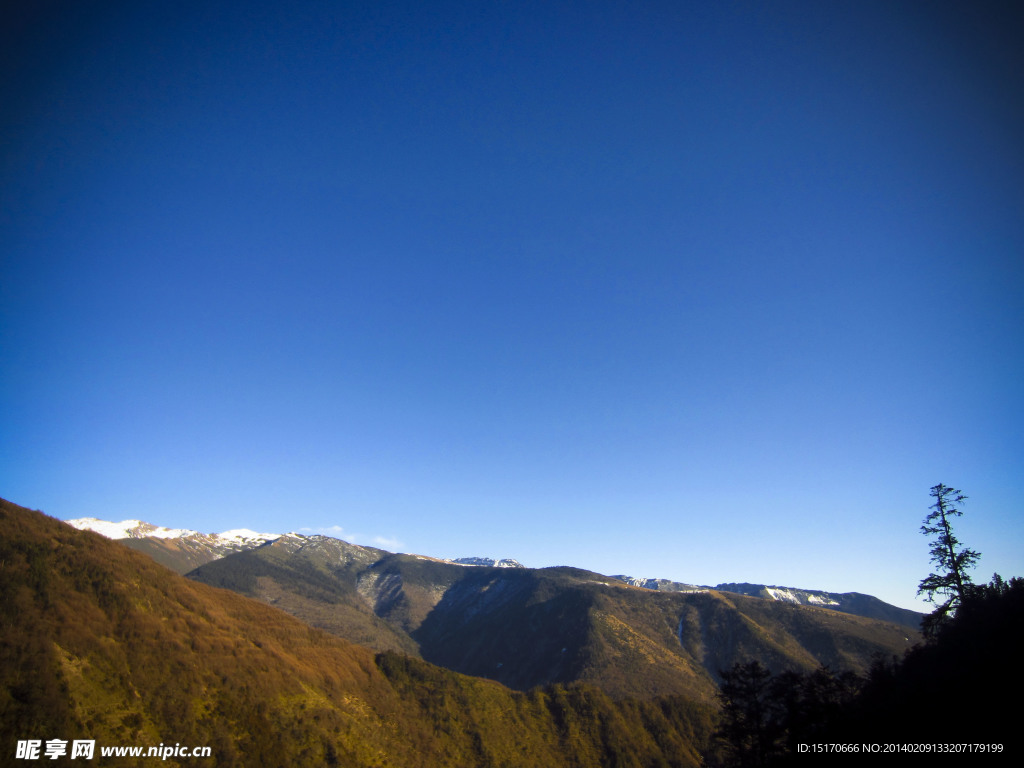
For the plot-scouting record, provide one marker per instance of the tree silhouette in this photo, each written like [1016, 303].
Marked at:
[952, 584]
[751, 726]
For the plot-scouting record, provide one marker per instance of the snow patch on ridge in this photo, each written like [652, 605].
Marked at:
[487, 562]
[661, 585]
[820, 600]
[782, 594]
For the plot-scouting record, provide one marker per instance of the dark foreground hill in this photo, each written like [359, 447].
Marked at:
[527, 627]
[99, 642]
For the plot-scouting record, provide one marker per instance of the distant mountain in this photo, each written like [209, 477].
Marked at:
[661, 584]
[183, 550]
[104, 644]
[487, 562]
[846, 602]
[127, 529]
[180, 549]
[136, 529]
[574, 625]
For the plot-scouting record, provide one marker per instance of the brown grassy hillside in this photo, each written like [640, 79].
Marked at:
[100, 642]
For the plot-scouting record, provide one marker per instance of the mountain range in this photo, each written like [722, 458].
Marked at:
[528, 627]
[184, 550]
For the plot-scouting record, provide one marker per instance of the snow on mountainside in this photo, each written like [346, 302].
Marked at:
[663, 585]
[788, 594]
[800, 596]
[128, 529]
[137, 529]
[488, 562]
[180, 549]
[846, 602]
[783, 594]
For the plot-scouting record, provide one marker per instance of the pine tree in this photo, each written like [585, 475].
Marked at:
[952, 584]
[751, 726]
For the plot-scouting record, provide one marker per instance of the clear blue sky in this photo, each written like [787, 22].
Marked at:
[706, 291]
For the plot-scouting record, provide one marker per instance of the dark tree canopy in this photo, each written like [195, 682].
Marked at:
[764, 716]
[750, 727]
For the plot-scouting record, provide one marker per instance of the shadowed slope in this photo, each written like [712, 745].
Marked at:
[531, 627]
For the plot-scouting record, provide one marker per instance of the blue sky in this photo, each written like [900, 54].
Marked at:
[701, 291]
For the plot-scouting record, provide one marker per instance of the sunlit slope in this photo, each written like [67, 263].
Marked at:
[102, 643]
[315, 579]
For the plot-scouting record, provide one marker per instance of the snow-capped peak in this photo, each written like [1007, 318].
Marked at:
[244, 534]
[137, 529]
[128, 529]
